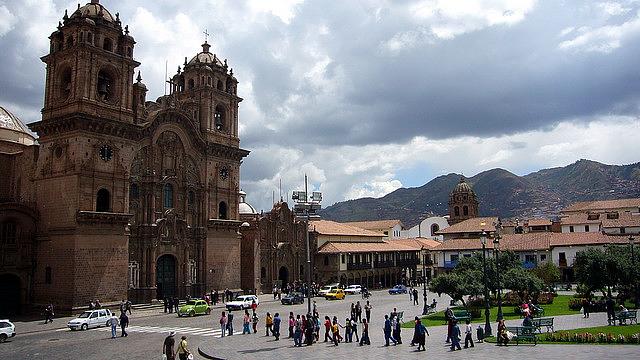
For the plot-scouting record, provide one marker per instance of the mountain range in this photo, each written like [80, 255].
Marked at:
[500, 193]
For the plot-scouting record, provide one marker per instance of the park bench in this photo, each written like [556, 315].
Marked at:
[523, 333]
[540, 322]
[623, 316]
[536, 311]
[462, 315]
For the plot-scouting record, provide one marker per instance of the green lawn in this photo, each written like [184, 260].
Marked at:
[560, 306]
[626, 330]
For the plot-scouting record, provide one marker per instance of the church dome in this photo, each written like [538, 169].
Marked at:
[14, 130]
[462, 187]
[243, 207]
[93, 10]
[205, 57]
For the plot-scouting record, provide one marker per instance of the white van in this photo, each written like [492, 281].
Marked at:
[327, 289]
[90, 318]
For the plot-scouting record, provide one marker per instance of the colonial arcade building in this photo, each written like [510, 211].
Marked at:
[120, 196]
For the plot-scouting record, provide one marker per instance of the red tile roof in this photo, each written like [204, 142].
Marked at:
[356, 247]
[416, 243]
[601, 205]
[473, 225]
[538, 222]
[326, 227]
[533, 241]
[374, 224]
[574, 219]
[624, 219]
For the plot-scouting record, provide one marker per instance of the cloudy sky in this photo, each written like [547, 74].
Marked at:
[369, 96]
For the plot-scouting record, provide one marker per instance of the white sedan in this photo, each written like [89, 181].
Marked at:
[90, 318]
[353, 289]
[242, 302]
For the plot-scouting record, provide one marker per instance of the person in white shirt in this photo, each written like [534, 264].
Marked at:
[468, 337]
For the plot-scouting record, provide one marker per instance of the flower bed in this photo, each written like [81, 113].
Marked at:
[587, 337]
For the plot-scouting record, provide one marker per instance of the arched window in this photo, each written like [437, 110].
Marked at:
[168, 195]
[191, 84]
[208, 80]
[222, 210]
[103, 201]
[434, 229]
[465, 210]
[218, 118]
[134, 192]
[456, 211]
[8, 231]
[219, 85]
[105, 86]
[107, 44]
[90, 38]
[181, 83]
[65, 83]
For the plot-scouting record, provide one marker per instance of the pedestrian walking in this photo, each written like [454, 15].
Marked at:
[396, 329]
[335, 331]
[167, 346]
[297, 332]
[246, 320]
[183, 349]
[415, 297]
[215, 297]
[230, 323]
[387, 331]
[327, 329]
[455, 336]
[411, 295]
[448, 316]
[347, 333]
[367, 311]
[610, 305]
[586, 308]
[468, 334]
[176, 304]
[170, 304]
[415, 338]
[292, 323]
[316, 320]
[276, 326]
[128, 306]
[309, 330]
[255, 319]
[354, 330]
[113, 322]
[353, 311]
[358, 311]
[48, 313]
[268, 324]
[165, 302]
[223, 324]
[124, 323]
[364, 340]
[422, 334]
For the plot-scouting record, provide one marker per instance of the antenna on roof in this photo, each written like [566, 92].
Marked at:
[280, 189]
[166, 72]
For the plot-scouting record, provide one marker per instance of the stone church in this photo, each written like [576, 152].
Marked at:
[119, 197]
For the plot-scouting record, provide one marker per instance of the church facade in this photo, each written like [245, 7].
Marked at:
[121, 197]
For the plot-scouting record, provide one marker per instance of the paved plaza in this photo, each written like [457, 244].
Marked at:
[149, 328]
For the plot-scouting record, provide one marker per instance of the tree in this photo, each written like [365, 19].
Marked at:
[524, 282]
[548, 272]
[592, 271]
[458, 284]
[506, 260]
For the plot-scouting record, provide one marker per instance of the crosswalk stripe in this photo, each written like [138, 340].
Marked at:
[162, 329]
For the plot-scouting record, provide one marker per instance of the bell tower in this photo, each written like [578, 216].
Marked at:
[90, 66]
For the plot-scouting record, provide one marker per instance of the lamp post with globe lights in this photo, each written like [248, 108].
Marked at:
[487, 324]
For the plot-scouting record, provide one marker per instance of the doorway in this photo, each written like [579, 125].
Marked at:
[10, 299]
[166, 276]
[283, 276]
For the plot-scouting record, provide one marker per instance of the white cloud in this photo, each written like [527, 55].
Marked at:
[7, 20]
[604, 39]
[283, 9]
[613, 8]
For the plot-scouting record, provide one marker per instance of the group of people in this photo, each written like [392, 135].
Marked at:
[171, 304]
[169, 344]
[454, 333]
[122, 321]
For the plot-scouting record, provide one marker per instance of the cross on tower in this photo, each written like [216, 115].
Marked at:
[206, 35]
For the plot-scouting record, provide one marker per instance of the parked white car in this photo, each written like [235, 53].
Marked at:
[327, 289]
[353, 289]
[7, 330]
[90, 318]
[242, 302]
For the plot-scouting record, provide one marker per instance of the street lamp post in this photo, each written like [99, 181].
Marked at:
[633, 266]
[487, 324]
[425, 309]
[307, 206]
[496, 248]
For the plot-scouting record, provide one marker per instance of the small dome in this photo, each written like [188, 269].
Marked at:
[14, 130]
[205, 57]
[462, 187]
[243, 207]
[93, 10]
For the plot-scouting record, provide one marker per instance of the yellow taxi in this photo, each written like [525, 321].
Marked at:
[335, 294]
